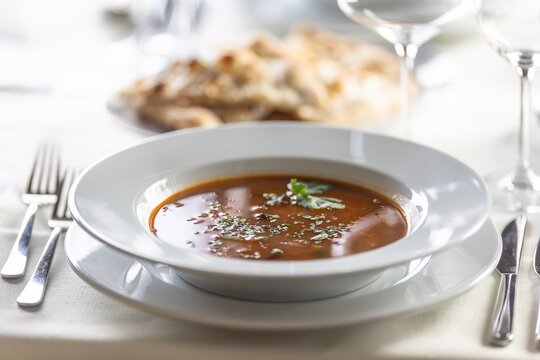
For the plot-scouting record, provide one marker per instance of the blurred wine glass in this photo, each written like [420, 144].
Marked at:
[512, 29]
[407, 25]
[165, 30]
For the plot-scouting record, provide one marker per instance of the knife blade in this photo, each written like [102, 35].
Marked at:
[508, 266]
[536, 260]
[536, 267]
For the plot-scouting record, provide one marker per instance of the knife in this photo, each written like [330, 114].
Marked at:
[508, 266]
[536, 266]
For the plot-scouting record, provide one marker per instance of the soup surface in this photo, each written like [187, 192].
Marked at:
[278, 217]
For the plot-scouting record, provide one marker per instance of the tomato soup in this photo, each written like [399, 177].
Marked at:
[278, 218]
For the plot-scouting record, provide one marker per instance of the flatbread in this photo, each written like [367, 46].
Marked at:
[310, 75]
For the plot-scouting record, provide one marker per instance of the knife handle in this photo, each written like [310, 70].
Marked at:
[503, 315]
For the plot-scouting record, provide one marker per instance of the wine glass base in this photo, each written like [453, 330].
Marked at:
[517, 191]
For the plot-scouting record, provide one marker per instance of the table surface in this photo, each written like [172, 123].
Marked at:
[473, 117]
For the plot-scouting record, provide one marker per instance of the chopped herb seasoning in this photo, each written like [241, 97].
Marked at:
[274, 217]
[273, 199]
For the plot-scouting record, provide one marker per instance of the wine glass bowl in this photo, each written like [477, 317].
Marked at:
[512, 29]
[407, 25]
[405, 21]
[165, 30]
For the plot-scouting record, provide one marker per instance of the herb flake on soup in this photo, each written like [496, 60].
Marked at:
[278, 218]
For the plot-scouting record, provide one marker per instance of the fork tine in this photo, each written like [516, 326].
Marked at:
[57, 210]
[54, 214]
[61, 210]
[33, 182]
[46, 170]
[44, 175]
[54, 170]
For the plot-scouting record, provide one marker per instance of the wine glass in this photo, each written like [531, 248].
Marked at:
[512, 29]
[407, 25]
[165, 30]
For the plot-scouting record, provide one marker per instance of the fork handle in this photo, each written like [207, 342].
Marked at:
[503, 316]
[32, 294]
[15, 265]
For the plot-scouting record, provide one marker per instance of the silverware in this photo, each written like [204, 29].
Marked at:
[508, 266]
[41, 190]
[34, 290]
[536, 266]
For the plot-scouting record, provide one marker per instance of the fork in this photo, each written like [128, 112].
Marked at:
[33, 292]
[41, 190]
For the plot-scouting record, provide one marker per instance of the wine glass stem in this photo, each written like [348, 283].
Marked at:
[526, 75]
[407, 54]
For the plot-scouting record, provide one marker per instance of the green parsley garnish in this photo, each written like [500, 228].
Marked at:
[303, 193]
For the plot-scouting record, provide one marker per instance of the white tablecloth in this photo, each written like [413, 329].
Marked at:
[473, 118]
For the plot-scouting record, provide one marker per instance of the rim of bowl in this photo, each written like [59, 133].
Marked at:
[207, 263]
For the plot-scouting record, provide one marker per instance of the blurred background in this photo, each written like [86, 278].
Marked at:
[61, 60]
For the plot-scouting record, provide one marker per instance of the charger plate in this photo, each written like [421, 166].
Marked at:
[401, 289]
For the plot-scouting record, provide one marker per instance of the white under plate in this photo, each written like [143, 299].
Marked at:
[447, 275]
